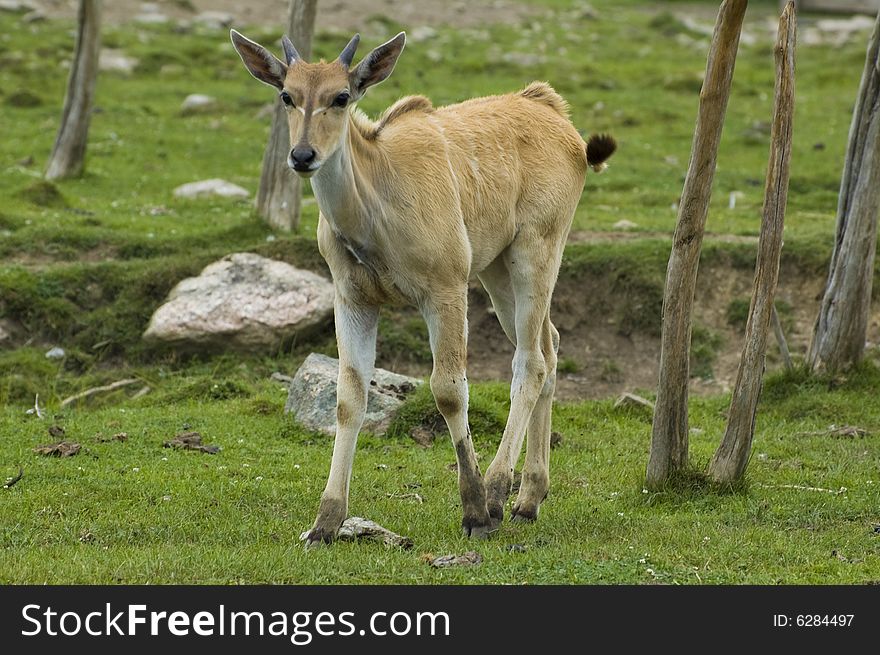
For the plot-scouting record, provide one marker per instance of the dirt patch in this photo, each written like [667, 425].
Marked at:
[61, 449]
[341, 15]
[191, 441]
[601, 358]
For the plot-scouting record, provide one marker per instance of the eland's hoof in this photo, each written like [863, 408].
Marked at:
[474, 529]
[523, 514]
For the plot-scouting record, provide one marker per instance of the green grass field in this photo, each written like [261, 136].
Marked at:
[83, 264]
[135, 512]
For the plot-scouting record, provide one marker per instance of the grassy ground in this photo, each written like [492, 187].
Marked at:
[236, 516]
[85, 262]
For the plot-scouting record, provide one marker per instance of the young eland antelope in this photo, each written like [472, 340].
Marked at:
[414, 205]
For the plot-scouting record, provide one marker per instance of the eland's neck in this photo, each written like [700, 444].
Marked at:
[344, 190]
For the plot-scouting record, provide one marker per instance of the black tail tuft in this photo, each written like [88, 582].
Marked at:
[599, 148]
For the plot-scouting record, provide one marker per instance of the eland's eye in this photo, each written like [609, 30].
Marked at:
[341, 100]
[286, 99]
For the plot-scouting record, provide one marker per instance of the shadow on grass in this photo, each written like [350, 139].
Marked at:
[691, 484]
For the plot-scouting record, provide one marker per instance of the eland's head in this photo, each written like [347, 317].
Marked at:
[317, 97]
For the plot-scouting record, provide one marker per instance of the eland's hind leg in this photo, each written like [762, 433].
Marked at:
[536, 471]
[533, 263]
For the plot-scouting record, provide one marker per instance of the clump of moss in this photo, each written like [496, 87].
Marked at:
[43, 194]
[24, 99]
[486, 414]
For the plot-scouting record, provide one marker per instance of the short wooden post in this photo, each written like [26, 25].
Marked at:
[842, 324]
[669, 438]
[732, 457]
[69, 152]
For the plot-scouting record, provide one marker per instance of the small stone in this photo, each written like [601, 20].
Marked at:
[625, 225]
[17, 6]
[422, 33]
[151, 19]
[265, 112]
[197, 103]
[55, 353]
[214, 20]
[628, 400]
[470, 558]
[116, 61]
[35, 16]
[212, 187]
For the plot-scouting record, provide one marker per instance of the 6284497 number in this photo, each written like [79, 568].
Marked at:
[813, 620]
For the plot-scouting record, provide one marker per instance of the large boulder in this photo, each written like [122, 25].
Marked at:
[243, 301]
[312, 396]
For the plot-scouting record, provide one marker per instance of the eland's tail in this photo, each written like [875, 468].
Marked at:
[599, 148]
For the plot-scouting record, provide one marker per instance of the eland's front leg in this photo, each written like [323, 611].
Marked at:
[356, 339]
[447, 327]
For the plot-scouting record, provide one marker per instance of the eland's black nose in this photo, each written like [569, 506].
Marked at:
[302, 156]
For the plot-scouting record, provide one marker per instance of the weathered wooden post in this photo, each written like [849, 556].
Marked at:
[280, 193]
[69, 152]
[669, 438]
[732, 457]
[841, 327]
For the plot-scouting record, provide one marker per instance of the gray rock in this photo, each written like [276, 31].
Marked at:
[312, 396]
[212, 187]
[197, 103]
[244, 302]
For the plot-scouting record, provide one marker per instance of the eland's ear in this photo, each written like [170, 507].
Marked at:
[261, 63]
[377, 66]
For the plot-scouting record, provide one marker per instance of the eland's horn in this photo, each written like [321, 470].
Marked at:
[347, 53]
[290, 53]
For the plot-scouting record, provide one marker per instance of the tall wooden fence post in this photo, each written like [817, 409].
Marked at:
[669, 437]
[69, 153]
[842, 324]
[280, 193]
[732, 457]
